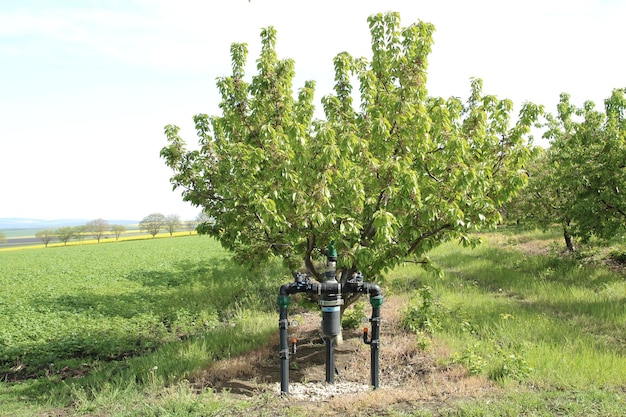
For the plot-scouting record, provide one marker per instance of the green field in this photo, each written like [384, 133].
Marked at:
[117, 329]
[110, 311]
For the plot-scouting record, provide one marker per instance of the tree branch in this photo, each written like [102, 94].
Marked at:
[426, 236]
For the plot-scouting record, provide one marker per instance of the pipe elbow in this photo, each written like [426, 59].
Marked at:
[373, 289]
[284, 289]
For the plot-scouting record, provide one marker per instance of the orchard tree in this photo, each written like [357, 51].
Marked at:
[588, 153]
[152, 223]
[46, 236]
[388, 177]
[97, 228]
[65, 234]
[117, 230]
[172, 223]
[543, 201]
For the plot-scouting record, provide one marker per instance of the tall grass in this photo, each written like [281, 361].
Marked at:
[563, 317]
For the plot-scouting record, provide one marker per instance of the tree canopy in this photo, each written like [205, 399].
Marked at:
[152, 223]
[578, 181]
[388, 174]
[588, 148]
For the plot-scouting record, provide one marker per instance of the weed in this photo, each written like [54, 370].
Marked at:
[353, 316]
[424, 314]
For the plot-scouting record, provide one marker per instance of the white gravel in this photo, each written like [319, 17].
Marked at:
[316, 391]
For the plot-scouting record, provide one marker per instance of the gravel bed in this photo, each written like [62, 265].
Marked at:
[316, 391]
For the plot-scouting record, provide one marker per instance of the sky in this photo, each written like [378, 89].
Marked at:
[87, 86]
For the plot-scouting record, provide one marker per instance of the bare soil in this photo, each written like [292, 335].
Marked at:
[409, 378]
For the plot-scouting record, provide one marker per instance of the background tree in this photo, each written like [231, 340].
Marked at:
[79, 232]
[172, 223]
[543, 202]
[588, 153]
[117, 230]
[3, 237]
[190, 225]
[65, 234]
[387, 181]
[97, 228]
[152, 224]
[46, 236]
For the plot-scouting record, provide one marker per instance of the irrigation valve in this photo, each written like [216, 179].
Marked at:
[331, 294]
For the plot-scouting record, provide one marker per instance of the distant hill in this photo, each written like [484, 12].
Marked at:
[24, 223]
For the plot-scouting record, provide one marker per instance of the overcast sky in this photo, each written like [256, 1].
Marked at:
[87, 86]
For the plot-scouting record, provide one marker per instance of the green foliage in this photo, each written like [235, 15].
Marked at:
[424, 316]
[106, 302]
[424, 313]
[497, 362]
[388, 180]
[618, 255]
[578, 182]
[351, 318]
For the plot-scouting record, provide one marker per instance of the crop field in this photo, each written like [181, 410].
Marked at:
[122, 328]
[68, 311]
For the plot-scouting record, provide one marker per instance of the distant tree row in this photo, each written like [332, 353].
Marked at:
[579, 181]
[99, 228]
[95, 228]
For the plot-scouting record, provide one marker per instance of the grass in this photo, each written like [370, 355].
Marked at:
[118, 329]
[86, 324]
[558, 321]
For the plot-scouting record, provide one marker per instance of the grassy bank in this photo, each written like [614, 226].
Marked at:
[547, 326]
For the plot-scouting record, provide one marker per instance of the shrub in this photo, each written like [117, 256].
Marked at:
[353, 315]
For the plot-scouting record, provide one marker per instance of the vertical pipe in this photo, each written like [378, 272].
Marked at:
[376, 302]
[330, 359]
[283, 325]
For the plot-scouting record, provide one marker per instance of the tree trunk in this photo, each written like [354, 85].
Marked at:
[569, 242]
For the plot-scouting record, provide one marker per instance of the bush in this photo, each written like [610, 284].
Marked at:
[425, 315]
[618, 255]
[352, 316]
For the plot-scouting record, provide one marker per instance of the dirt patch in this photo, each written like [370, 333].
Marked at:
[408, 376]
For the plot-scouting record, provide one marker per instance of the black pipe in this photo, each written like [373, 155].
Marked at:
[376, 301]
[332, 290]
[329, 343]
[283, 325]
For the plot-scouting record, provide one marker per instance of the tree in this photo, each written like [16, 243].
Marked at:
[172, 222]
[46, 236]
[117, 230]
[79, 232]
[153, 223]
[588, 153]
[544, 201]
[190, 225]
[97, 228]
[387, 180]
[65, 234]
[3, 237]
